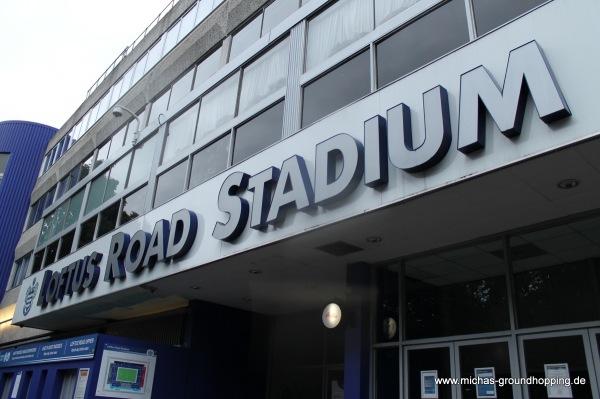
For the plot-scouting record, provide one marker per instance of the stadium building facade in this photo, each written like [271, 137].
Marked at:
[323, 199]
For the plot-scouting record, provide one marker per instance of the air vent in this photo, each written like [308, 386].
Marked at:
[339, 248]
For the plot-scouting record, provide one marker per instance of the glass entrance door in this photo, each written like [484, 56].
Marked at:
[461, 370]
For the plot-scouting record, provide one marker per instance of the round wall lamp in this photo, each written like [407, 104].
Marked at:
[332, 315]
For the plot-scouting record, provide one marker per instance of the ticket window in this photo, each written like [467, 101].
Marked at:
[69, 380]
[7, 380]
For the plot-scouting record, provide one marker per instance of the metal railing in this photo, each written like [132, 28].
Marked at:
[130, 48]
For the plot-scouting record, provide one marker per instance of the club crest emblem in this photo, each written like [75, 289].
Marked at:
[30, 296]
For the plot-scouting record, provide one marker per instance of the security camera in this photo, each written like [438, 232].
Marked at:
[117, 112]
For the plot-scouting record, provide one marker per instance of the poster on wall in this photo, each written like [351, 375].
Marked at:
[485, 377]
[429, 389]
[82, 379]
[559, 373]
[126, 372]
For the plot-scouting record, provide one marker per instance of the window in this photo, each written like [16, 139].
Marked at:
[182, 87]
[86, 167]
[180, 133]
[426, 39]
[208, 67]
[218, 106]
[258, 133]
[171, 38]
[133, 205]
[3, 162]
[154, 55]
[102, 154]
[117, 178]
[209, 161]
[170, 184]
[277, 12]
[116, 143]
[20, 271]
[142, 161]
[51, 251]
[140, 69]
[88, 229]
[96, 194]
[159, 106]
[74, 209]
[265, 76]
[37, 261]
[386, 9]
[245, 37]
[188, 22]
[337, 88]
[490, 14]
[66, 242]
[336, 28]
[108, 219]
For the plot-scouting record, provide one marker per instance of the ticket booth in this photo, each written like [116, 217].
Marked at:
[92, 366]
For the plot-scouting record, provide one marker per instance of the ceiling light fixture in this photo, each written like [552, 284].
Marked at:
[568, 184]
[374, 239]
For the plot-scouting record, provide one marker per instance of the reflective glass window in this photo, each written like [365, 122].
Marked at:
[209, 161]
[182, 87]
[218, 106]
[490, 14]
[159, 106]
[170, 184]
[102, 154]
[37, 261]
[86, 167]
[449, 22]
[96, 193]
[74, 209]
[258, 133]
[88, 229]
[386, 9]
[337, 27]
[142, 161]
[140, 69]
[108, 219]
[133, 205]
[104, 104]
[277, 12]
[116, 92]
[127, 80]
[348, 82]
[265, 76]
[154, 55]
[180, 134]
[66, 242]
[455, 292]
[171, 38]
[51, 251]
[207, 67]
[117, 140]
[188, 22]
[245, 37]
[117, 178]
[204, 8]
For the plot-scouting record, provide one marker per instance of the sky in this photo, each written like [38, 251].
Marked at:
[52, 51]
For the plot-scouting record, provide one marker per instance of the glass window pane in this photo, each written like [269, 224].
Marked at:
[246, 37]
[62, 187]
[265, 76]
[60, 215]
[437, 359]
[210, 161]
[182, 87]
[490, 14]
[187, 22]
[159, 106]
[66, 242]
[102, 154]
[104, 103]
[171, 38]
[387, 372]
[337, 27]
[140, 69]
[170, 184]
[388, 307]
[133, 205]
[258, 133]
[51, 251]
[208, 67]
[277, 12]
[449, 23]
[206, 6]
[386, 9]
[117, 178]
[96, 193]
[116, 92]
[459, 291]
[47, 227]
[154, 55]
[108, 219]
[74, 209]
[180, 134]
[37, 261]
[142, 161]
[555, 271]
[494, 355]
[337, 88]
[87, 232]
[117, 140]
[127, 81]
[86, 167]
[218, 106]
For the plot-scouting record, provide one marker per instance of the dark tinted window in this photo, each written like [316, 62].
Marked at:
[337, 88]
[51, 251]
[170, 184]
[133, 205]
[424, 40]
[66, 243]
[490, 14]
[209, 161]
[108, 219]
[258, 133]
[37, 261]
[87, 232]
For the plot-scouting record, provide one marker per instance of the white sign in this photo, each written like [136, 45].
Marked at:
[559, 377]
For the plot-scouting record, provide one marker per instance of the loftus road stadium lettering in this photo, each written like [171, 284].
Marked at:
[278, 189]
[341, 164]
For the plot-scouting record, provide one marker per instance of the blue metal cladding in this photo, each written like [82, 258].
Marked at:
[26, 143]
